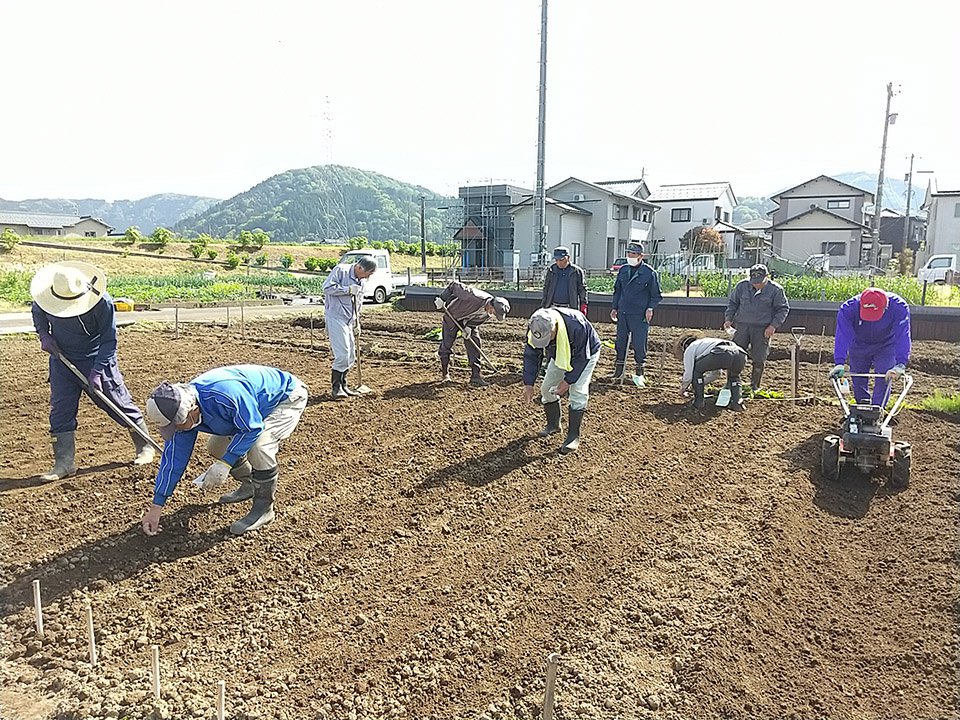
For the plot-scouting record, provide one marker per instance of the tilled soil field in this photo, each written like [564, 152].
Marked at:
[429, 552]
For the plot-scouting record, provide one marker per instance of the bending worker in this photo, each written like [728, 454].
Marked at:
[636, 293]
[703, 360]
[247, 410]
[757, 308]
[873, 330]
[564, 285]
[74, 315]
[470, 308]
[572, 347]
[342, 299]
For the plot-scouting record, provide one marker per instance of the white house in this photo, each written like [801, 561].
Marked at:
[822, 215]
[594, 221]
[24, 223]
[942, 203]
[686, 206]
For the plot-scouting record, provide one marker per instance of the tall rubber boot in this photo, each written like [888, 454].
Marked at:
[264, 490]
[445, 370]
[64, 452]
[698, 393]
[755, 375]
[144, 450]
[552, 411]
[241, 471]
[336, 383]
[736, 404]
[476, 379]
[575, 420]
[345, 385]
[638, 378]
[618, 370]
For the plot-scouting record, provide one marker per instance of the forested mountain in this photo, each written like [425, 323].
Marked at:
[148, 213]
[752, 208]
[327, 202]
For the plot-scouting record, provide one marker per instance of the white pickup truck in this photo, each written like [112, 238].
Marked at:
[383, 284]
[939, 270]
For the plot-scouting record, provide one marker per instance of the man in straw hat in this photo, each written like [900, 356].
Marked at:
[704, 358]
[74, 315]
[572, 346]
[247, 410]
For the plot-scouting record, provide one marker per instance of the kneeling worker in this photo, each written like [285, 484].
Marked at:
[572, 347]
[248, 410]
[703, 360]
[466, 308]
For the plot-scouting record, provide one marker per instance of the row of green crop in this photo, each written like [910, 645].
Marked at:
[838, 289]
[668, 283]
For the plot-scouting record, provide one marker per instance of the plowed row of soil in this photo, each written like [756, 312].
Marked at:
[429, 551]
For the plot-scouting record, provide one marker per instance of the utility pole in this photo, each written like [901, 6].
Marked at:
[540, 201]
[906, 219]
[423, 237]
[888, 120]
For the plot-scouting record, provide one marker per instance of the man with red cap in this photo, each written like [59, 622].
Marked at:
[873, 330]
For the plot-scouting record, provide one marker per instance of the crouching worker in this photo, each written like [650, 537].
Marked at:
[703, 361]
[572, 348]
[74, 316]
[248, 409]
[465, 308]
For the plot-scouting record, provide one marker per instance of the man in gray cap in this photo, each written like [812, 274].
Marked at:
[756, 309]
[465, 309]
[247, 410]
[572, 348]
[564, 285]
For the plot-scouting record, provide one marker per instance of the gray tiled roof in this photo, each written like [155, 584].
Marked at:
[692, 191]
[629, 187]
[37, 220]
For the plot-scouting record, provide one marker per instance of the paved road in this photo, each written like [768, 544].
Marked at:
[21, 322]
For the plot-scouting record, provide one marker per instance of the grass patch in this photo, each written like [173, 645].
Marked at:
[942, 401]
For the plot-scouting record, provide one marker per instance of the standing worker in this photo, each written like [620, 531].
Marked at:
[756, 309]
[636, 293]
[567, 339]
[564, 285]
[469, 308]
[342, 298]
[74, 315]
[873, 330]
[247, 410]
[703, 360]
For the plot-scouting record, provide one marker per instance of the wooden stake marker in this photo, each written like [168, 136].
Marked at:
[37, 608]
[155, 651]
[91, 637]
[221, 699]
[548, 695]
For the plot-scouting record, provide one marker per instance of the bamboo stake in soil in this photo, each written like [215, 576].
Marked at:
[155, 668]
[91, 637]
[221, 700]
[548, 695]
[37, 608]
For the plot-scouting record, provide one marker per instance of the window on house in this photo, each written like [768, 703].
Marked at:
[726, 217]
[615, 212]
[636, 213]
[646, 216]
[679, 215]
[622, 248]
[89, 233]
[716, 213]
[834, 249]
[838, 204]
[575, 252]
[956, 210]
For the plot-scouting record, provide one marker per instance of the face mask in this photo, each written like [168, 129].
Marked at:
[633, 261]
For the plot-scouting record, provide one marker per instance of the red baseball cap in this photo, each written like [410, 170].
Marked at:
[872, 304]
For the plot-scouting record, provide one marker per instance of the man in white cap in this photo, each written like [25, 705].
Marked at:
[248, 410]
[466, 308]
[342, 299]
[74, 315]
[572, 346]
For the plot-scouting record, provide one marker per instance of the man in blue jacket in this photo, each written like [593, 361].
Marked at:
[74, 315]
[873, 330]
[248, 410]
[635, 294]
[572, 346]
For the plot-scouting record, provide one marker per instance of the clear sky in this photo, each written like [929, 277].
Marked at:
[120, 99]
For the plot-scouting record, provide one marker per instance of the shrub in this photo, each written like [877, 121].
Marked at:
[9, 239]
[212, 254]
[286, 260]
[260, 259]
[233, 260]
[133, 235]
[196, 250]
[162, 237]
[311, 263]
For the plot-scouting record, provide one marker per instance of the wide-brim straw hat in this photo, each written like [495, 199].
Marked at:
[68, 289]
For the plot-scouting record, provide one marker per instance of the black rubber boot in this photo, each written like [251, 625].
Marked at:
[64, 452]
[618, 370]
[345, 385]
[336, 383]
[572, 442]
[264, 490]
[736, 404]
[144, 450]
[243, 472]
[755, 375]
[698, 393]
[477, 381]
[552, 411]
[445, 370]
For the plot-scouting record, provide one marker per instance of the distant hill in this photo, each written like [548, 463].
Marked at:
[326, 202]
[148, 213]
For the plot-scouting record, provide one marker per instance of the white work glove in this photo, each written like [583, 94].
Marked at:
[355, 289]
[895, 372]
[438, 303]
[215, 476]
[837, 372]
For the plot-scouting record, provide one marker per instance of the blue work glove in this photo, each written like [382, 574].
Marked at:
[49, 345]
[895, 372]
[837, 372]
[96, 380]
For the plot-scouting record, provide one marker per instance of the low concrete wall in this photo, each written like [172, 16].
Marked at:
[927, 323]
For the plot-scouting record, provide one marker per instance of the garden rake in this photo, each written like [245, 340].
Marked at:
[468, 337]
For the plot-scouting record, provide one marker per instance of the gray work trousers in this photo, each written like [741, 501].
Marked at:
[750, 338]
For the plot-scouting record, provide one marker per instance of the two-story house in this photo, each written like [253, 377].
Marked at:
[822, 215]
[593, 220]
[689, 205]
[942, 204]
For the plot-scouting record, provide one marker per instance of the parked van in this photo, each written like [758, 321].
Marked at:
[939, 270]
[380, 286]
